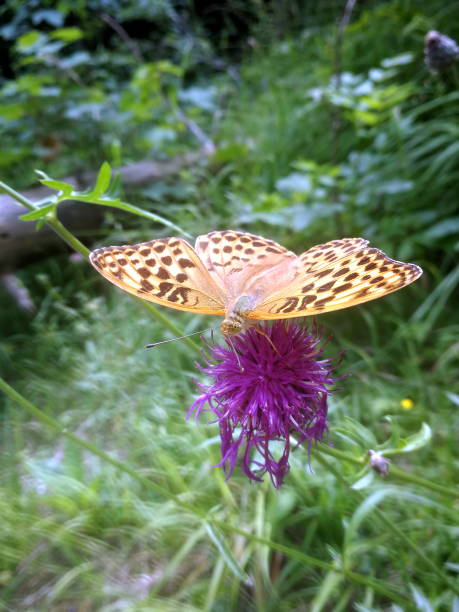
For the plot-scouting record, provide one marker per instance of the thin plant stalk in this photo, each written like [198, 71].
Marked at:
[378, 586]
[79, 247]
[391, 526]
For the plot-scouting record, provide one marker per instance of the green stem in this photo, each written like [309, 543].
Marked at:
[394, 471]
[78, 246]
[17, 196]
[377, 585]
[290, 552]
[68, 237]
[393, 527]
[92, 448]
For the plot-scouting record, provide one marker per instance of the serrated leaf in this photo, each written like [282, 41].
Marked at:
[103, 179]
[57, 185]
[38, 214]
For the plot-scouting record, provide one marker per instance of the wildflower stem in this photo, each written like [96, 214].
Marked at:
[377, 585]
[92, 448]
[79, 247]
[290, 552]
[68, 237]
[17, 196]
[380, 515]
[51, 220]
[394, 471]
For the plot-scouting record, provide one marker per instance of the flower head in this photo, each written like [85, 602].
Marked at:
[440, 51]
[267, 383]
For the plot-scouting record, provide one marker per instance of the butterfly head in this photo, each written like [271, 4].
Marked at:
[231, 326]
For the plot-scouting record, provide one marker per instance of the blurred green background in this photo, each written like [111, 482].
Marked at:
[301, 121]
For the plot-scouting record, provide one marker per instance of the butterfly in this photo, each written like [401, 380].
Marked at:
[244, 277]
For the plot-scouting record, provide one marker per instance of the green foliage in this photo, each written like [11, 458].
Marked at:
[109, 497]
[46, 209]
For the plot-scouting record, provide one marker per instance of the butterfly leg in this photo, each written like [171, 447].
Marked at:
[263, 333]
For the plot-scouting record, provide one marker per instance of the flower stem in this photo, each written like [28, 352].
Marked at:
[68, 237]
[92, 448]
[79, 247]
[17, 196]
[394, 471]
[391, 526]
[378, 585]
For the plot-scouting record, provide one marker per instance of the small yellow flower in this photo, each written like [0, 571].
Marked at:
[407, 403]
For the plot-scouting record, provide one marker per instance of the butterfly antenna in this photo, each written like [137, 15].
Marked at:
[179, 338]
[228, 338]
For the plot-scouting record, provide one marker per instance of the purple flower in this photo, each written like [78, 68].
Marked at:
[440, 51]
[272, 382]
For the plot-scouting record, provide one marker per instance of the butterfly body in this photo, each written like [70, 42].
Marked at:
[245, 278]
[236, 317]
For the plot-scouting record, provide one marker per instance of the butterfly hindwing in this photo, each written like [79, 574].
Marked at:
[239, 255]
[362, 275]
[166, 271]
[239, 274]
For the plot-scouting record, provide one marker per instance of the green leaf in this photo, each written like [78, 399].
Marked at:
[65, 188]
[131, 209]
[357, 432]
[68, 35]
[50, 16]
[421, 601]
[12, 112]
[364, 481]
[40, 223]
[39, 213]
[226, 554]
[417, 440]
[398, 60]
[28, 39]
[366, 509]
[234, 151]
[443, 228]
[103, 180]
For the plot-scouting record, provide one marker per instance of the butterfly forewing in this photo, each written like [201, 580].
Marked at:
[242, 275]
[324, 254]
[360, 276]
[166, 271]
